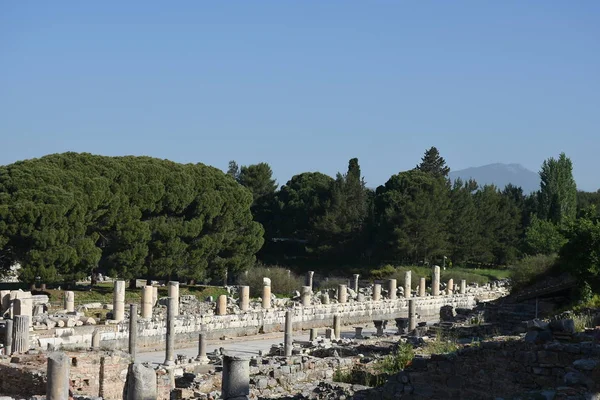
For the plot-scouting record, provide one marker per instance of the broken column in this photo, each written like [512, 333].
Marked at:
[422, 287]
[287, 336]
[329, 333]
[154, 295]
[147, 294]
[23, 306]
[141, 383]
[236, 378]
[57, 386]
[305, 296]
[20, 342]
[309, 279]
[355, 282]
[401, 325]
[337, 327]
[8, 336]
[69, 301]
[314, 332]
[407, 284]
[222, 305]
[463, 286]
[435, 283]
[133, 330]
[342, 293]
[96, 339]
[119, 301]
[325, 298]
[174, 294]
[412, 315]
[202, 358]
[170, 346]
[358, 332]
[266, 297]
[450, 288]
[392, 289]
[244, 298]
[376, 292]
[379, 326]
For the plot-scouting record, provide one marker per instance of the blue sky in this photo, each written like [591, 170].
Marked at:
[304, 86]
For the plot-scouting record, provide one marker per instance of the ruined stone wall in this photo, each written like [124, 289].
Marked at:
[22, 379]
[498, 370]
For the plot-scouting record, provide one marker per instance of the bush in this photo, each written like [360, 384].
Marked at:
[397, 360]
[530, 268]
[282, 282]
[387, 271]
[330, 283]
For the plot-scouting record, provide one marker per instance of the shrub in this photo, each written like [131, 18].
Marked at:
[330, 283]
[442, 344]
[530, 268]
[282, 282]
[397, 360]
[387, 271]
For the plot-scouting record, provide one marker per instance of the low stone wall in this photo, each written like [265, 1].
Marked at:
[153, 333]
[22, 379]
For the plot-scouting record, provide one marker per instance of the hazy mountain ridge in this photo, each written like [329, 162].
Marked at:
[501, 175]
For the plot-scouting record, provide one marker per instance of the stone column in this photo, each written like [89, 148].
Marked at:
[96, 339]
[20, 334]
[147, 294]
[379, 326]
[342, 294]
[463, 286]
[407, 284]
[119, 301]
[222, 305]
[170, 346]
[69, 299]
[392, 289]
[174, 294]
[266, 297]
[24, 306]
[435, 284]
[358, 332]
[401, 324]
[57, 386]
[314, 333]
[450, 288]
[154, 295]
[355, 286]
[376, 292]
[329, 334]
[305, 296]
[325, 298]
[412, 315]
[8, 336]
[287, 337]
[202, 349]
[309, 279]
[422, 287]
[244, 298]
[141, 383]
[337, 327]
[133, 330]
[236, 378]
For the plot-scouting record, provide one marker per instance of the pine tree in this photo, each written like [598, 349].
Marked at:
[433, 163]
[558, 191]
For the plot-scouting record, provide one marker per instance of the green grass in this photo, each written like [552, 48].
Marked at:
[397, 360]
[442, 344]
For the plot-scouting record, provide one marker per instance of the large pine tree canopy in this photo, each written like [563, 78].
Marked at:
[64, 215]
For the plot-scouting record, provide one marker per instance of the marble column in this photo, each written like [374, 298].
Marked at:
[337, 326]
[57, 385]
[141, 383]
[463, 286]
[342, 294]
[8, 336]
[174, 294]
[355, 281]
[407, 284]
[376, 292]
[236, 378]
[222, 305]
[309, 279]
[69, 301]
[305, 296]
[147, 294]
[450, 288]
[170, 347]
[119, 301]
[287, 343]
[412, 315]
[133, 330]
[266, 297]
[422, 287]
[202, 358]
[435, 284]
[392, 289]
[244, 298]
[20, 342]
[325, 298]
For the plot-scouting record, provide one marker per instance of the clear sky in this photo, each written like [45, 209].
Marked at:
[304, 85]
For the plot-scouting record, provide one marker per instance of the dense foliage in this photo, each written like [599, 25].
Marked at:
[66, 215]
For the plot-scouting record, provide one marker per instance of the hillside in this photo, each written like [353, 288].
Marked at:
[501, 175]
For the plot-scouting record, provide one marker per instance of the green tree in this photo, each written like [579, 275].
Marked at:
[433, 163]
[233, 170]
[463, 223]
[580, 256]
[558, 191]
[258, 178]
[543, 237]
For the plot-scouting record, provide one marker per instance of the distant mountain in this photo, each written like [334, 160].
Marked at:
[501, 175]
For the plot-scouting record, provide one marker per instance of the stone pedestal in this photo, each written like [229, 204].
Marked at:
[412, 315]
[422, 287]
[450, 289]
[24, 306]
[174, 294]
[358, 332]
[325, 298]
[244, 298]
[377, 292]
[119, 301]
[236, 378]
[342, 294]
[392, 289]
[147, 294]
[401, 324]
[266, 297]
[287, 343]
[8, 336]
[329, 334]
[141, 383]
[20, 343]
[57, 386]
[170, 345]
[379, 326]
[309, 279]
[435, 284]
[337, 326]
[305, 295]
[69, 301]
[222, 305]
[202, 358]
[407, 284]
[355, 278]
[313, 334]
[133, 330]
[463, 286]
